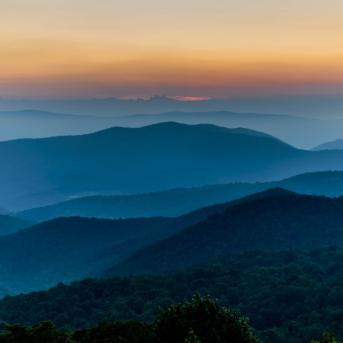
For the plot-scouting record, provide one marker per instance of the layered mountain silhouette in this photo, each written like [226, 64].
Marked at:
[134, 160]
[288, 289]
[67, 249]
[255, 114]
[180, 201]
[158, 157]
[38, 124]
[333, 145]
[10, 224]
[299, 131]
[296, 130]
[271, 221]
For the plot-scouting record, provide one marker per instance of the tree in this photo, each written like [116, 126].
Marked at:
[116, 332]
[205, 319]
[41, 333]
[192, 338]
[327, 338]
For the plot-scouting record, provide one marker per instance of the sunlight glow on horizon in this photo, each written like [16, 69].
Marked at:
[198, 48]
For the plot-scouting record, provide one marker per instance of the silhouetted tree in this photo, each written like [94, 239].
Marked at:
[327, 338]
[208, 322]
[117, 332]
[44, 332]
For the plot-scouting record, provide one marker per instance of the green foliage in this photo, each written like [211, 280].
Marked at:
[205, 320]
[180, 323]
[327, 338]
[192, 337]
[117, 332]
[274, 220]
[68, 249]
[290, 297]
[44, 332]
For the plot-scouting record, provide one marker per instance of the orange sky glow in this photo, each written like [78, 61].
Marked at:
[193, 48]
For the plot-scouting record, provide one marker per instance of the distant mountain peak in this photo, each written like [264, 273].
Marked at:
[333, 145]
[271, 220]
[274, 192]
[175, 125]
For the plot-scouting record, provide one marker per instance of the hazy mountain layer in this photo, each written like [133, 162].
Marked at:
[38, 124]
[179, 201]
[299, 131]
[153, 158]
[163, 156]
[334, 145]
[274, 220]
[10, 224]
[296, 130]
[68, 249]
[308, 105]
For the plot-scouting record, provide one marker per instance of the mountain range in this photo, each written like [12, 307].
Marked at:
[67, 249]
[302, 132]
[296, 130]
[176, 202]
[306, 105]
[123, 160]
[163, 156]
[333, 145]
[273, 220]
[10, 224]
[38, 124]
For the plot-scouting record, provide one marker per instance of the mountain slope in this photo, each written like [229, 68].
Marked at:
[153, 158]
[67, 249]
[274, 220]
[179, 201]
[295, 130]
[333, 145]
[37, 124]
[121, 160]
[10, 224]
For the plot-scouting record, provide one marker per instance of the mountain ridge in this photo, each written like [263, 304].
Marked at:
[176, 202]
[332, 145]
[66, 249]
[134, 160]
[10, 224]
[273, 220]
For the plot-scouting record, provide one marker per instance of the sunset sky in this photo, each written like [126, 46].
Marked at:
[215, 48]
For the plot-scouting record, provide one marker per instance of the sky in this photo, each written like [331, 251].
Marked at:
[189, 48]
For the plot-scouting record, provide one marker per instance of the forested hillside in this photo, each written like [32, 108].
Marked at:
[290, 297]
[67, 249]
[271, 221]
[10, 224]
[200, 319]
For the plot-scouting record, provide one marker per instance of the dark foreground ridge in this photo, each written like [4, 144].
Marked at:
[272, 221]
[290, 297]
